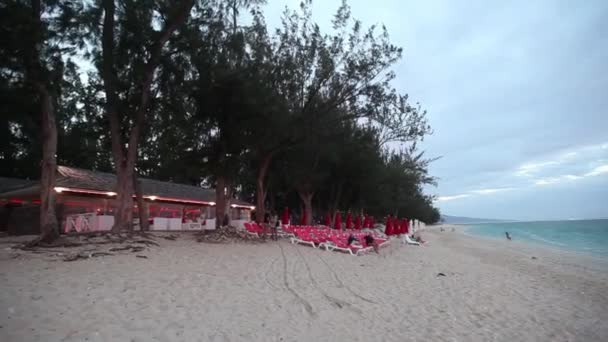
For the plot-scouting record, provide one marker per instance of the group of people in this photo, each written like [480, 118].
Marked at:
[369, 241]
[272, 224]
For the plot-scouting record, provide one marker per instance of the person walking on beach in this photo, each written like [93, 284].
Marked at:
[508, 235]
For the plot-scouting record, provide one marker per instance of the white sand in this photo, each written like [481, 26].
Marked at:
[186, 291]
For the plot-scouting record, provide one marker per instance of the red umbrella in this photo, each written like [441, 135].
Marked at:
[349, 221]
[328, 220]
[406, 226]
[358, 222]
[338, 221]
[285, 216]
[303, 219]
[389, 226]
[370, 222]
[401, 226]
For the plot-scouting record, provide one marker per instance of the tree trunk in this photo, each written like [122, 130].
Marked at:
[123, 217]
[229, 193]
[49, 228]
[142, 206]
[260, 194]
[37, 77]
[270, 195]
[220, 201]
[306, 197]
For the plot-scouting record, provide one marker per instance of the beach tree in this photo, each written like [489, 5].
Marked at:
[225, 93]
[329, 79]
[211, 97]
[31, 78]
[127, 41]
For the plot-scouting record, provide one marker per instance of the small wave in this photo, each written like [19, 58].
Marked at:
[547, 241]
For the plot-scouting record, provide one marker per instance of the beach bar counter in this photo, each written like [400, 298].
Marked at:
[86, 201]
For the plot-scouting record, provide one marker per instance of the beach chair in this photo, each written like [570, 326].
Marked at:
[408, 241]
[302, 237]
[284, 234]
[253, 230]
[338, 244]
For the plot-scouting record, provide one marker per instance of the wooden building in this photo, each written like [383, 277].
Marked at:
[86, 202]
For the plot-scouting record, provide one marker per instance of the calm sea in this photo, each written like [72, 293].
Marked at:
[587, 236]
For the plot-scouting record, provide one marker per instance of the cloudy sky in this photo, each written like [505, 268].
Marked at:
[516, 92]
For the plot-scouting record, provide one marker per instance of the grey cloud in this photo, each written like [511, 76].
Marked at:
[505, 84]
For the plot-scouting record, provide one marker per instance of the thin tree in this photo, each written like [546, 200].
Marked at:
[125, 155]
[38, 77]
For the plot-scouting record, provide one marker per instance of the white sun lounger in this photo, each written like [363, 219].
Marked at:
[408, 241]
[296, 240]
[330, 246]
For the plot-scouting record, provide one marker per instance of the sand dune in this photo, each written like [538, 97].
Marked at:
[187, 291]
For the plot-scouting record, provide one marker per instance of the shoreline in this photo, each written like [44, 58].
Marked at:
[530, 244]
[455, 287]
[528, 249]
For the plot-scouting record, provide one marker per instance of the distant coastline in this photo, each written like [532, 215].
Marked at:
[448, 219]
[463, 220]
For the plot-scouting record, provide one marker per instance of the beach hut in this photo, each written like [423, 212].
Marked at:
[86, 201]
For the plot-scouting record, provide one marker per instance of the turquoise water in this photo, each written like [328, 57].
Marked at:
[587, 236]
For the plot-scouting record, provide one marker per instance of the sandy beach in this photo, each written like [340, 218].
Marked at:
[275, 291]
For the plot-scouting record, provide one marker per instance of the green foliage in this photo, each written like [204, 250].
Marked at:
[227, 95]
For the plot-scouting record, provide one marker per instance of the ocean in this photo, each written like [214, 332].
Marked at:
[585, 236]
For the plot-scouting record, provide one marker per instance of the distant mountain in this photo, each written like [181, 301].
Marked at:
[464, 220]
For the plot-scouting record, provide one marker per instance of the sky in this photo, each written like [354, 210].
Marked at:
[516, 93]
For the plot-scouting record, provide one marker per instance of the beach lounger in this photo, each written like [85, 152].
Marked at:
[253, 229]
[337, 244]
[407, 240]
[302, 237]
